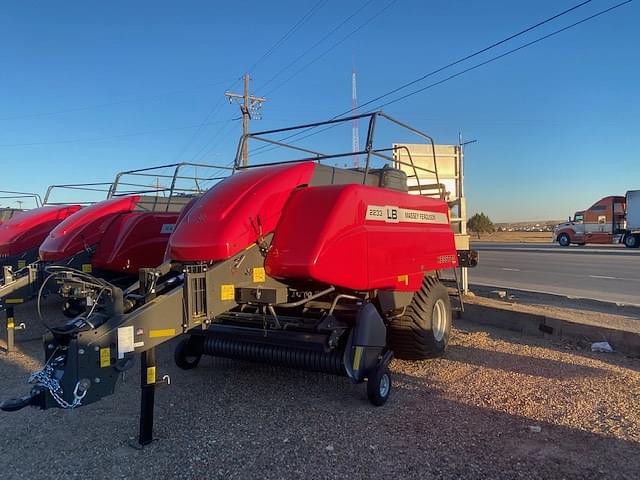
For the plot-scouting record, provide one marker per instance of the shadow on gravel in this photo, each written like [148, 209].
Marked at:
[523, 364]
[556, 344]
[231, 419]
[273, 423]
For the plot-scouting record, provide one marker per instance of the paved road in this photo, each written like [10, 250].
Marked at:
[610, 272]
[554, 247]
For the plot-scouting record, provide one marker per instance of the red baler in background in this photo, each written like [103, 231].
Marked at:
[110, 239]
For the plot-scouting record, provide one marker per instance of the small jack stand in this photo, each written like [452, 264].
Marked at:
[11, 329]
[148, 384]
[147, 397]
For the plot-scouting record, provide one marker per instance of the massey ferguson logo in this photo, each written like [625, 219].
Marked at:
[393, 214]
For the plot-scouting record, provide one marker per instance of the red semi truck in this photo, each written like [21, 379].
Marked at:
[613, 219]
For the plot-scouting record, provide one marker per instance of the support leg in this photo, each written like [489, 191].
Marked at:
[10, 329]
[148, 389]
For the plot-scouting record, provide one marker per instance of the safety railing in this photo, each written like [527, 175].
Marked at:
[369, 151]
[21, 197]
[168, 181]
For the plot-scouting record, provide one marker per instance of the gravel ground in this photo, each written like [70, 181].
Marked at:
[498, 405]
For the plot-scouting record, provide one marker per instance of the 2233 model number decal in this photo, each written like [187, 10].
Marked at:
[392, 214]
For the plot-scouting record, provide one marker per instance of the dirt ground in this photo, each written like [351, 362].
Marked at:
[497, 405]
[523, 237]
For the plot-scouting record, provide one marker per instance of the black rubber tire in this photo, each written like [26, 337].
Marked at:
[411, 336]
[632, 241]
[73, 307]
[376, 395]
[564, 240]
[184, 355]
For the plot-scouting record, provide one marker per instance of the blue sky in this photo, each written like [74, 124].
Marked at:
[88, 88]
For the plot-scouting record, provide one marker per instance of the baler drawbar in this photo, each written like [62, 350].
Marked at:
[295, 264]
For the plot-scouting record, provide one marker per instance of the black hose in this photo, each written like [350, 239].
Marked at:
[58, 270]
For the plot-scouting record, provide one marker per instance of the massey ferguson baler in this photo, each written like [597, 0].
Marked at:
[297, 264]
[110, 239]
[20, 236]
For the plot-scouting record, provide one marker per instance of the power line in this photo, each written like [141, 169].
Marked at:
[440, 69]
[342, 40]
[220, 136]
[98, 139]
[204, 122]
[303, 54]
[262, 58]
[109, 104]
[289, 33]
[474, 54]
[493, 59]
[228, 123]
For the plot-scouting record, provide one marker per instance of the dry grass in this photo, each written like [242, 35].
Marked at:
[524, 237]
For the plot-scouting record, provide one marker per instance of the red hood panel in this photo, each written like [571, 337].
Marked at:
[26, 230]
[85, 228]
[134, 241]
[225, 219]
[361, 238]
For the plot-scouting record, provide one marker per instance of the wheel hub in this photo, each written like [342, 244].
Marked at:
[384, 385]
[439, 320]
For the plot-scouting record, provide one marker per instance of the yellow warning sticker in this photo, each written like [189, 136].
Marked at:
[22, 263]
[227, 292]
[105, 357]
[357, 357]
[259, 276]
[10, 323]
[14, 300]
[151, 375]
[87, 268]
[403, 279]
[166, 332]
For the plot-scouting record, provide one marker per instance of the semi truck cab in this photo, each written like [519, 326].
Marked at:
[605, 222]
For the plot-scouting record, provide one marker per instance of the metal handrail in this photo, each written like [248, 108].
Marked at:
[368, 151]
[110, 189]
[12, 194]
[85, 187]
[172, 189]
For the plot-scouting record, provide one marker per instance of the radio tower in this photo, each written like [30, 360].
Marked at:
[355, 134]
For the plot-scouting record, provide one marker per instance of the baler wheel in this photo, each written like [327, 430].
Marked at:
[379, 385]
[185, 356]
[423, 331]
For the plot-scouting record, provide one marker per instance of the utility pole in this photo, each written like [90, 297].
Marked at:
[355, 134]
[250, 108]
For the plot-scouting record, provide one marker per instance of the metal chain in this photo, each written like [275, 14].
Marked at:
[44, 378]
